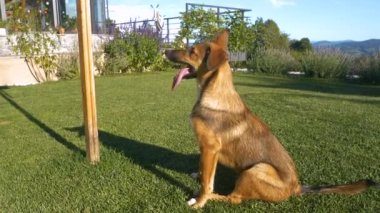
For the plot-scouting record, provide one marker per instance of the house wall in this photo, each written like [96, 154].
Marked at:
[14, 71]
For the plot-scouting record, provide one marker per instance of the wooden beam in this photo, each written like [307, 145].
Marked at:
[88, 82]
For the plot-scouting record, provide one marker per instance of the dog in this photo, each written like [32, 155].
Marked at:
[229, 133]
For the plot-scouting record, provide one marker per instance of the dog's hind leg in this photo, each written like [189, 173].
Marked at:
[231, 198]
[262, 182]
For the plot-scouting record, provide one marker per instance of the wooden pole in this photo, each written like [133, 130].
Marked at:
[3, 12]
[88, 82]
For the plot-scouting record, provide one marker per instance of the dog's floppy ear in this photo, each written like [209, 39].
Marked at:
[216, 57]
[222, 39]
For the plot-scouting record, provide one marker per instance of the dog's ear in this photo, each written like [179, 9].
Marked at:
[216, 56]
[222, 39]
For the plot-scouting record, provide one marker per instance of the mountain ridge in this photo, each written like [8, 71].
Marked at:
[366, 47]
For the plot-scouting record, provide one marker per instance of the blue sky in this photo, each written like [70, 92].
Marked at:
[316, 19]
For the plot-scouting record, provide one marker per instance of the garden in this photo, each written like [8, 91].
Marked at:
[328, 124]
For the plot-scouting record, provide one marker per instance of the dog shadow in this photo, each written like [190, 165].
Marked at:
[152, 157]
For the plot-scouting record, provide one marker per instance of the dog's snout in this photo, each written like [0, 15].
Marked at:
[171, 54]
[168, 52]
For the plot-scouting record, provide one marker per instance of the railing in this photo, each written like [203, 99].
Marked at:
[166, 31]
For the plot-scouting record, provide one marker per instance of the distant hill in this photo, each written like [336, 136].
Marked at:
[367, 47]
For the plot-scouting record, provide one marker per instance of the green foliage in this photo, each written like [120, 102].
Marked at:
[68, 66]
[241, 35]
[325, 63]
[302, 45]
[369, 68]
[299, 48]
[268, 35]
[273, 61]
[132, 52]
[198, 25]
[30, 41]
[69, 23]
[3, 24]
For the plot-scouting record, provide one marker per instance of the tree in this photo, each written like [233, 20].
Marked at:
[197, 25]
[302, 45]
[241, 35]
[268, 35]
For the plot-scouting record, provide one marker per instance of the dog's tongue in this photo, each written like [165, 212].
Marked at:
[179, 76]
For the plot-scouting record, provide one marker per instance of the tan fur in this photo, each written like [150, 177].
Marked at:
[227, 132]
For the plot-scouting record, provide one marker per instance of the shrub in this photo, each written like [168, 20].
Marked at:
[272, 61]
[325, 63]
[68, 66]
[132, 52]
[370, 68]
[28, 39]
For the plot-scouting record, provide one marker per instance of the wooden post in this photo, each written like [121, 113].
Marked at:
[88, 82]
[3, 12]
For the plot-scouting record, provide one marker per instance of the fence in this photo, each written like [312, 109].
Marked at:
[165, 33]
[167, 30]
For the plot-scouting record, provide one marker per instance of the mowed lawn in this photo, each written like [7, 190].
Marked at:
[148, 150]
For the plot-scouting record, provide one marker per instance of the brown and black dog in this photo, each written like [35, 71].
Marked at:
[227, 132]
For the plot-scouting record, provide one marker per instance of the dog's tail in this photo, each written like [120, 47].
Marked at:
[348, 189]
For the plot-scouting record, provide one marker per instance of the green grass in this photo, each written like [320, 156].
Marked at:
[148, 149]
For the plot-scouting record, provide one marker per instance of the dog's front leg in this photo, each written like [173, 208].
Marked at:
[209, 146]
[208, 163]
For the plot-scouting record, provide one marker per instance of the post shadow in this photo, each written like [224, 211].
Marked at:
[148, 156]
[152, 157]
[42, 125]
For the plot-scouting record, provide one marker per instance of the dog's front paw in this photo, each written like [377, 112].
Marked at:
[191, 202]
[197, 203]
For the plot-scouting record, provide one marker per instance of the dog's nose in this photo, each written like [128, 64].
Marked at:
[167, 52]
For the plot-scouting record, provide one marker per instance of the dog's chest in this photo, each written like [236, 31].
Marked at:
[223, 122]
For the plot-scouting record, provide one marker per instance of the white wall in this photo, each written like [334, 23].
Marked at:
[14, 70]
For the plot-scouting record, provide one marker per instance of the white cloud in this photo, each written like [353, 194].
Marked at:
[280, 3]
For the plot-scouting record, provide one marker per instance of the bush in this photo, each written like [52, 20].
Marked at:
[272, 61]
[28, 39]
[68, 66]
[370, 68]
[132, 52]
[325, 63]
